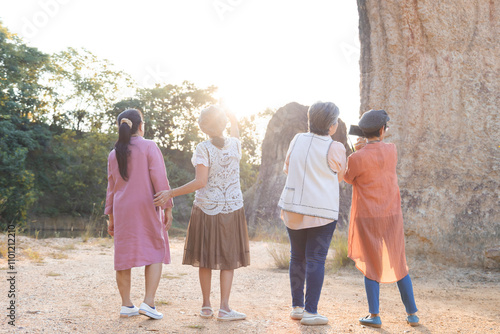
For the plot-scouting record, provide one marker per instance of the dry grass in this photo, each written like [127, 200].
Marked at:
[65, 247]
[53, 274]
[167, 276]
[195, 326]
[33, 255]
[3, 249]
[340, 258]
[278, 243]
[87, 233]
[102, 242]
[175, 231]
[280, 254]
[162, 302]
[58, 256]
[95, 224]
[279, 249]
[266, 232]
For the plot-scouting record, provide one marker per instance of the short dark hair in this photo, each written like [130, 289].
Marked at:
[376, 133]
[322, 115]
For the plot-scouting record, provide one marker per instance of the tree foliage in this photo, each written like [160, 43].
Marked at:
[20, 90]
[82, 87]
[170, 113]
[20, 70]
[58, 124]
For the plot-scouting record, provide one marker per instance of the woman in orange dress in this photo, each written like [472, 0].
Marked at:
[376, 233]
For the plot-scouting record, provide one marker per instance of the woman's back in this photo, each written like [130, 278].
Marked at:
[143, 178]
[222, 194]
[372, 171]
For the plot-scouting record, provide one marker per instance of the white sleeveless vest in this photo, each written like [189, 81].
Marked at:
[312, 187]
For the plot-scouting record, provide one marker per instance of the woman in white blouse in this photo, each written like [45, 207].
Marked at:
[217, 236]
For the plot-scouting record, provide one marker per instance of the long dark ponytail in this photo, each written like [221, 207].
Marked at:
[128, 124]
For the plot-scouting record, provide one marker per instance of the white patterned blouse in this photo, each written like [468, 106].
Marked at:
[222, 194]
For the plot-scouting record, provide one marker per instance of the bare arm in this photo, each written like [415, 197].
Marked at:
[199, 182]
[235, 131]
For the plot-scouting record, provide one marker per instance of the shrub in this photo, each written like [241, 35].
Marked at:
[340, 258]
[280, 254]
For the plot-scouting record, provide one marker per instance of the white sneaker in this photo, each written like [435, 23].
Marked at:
[126, 311]
[149, 311]
[311, 319]
[297, 313]
[231, 315]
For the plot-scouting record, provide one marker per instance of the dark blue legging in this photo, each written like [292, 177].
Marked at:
[405, 289]
[308, 248]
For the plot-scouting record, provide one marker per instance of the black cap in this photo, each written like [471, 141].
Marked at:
[372, 120]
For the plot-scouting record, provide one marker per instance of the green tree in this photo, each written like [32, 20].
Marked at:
[78, 180]
[170, 113]
[251, 144]
[16, 182]
[83, 88]
[21, 68]
[58, 124]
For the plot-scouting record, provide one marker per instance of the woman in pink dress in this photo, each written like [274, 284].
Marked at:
[136, 171]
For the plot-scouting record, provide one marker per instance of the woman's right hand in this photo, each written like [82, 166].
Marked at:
[162, 197]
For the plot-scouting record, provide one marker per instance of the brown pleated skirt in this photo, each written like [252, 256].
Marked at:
[217, 242]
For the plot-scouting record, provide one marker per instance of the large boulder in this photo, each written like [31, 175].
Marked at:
[434, 66]
[262, 199]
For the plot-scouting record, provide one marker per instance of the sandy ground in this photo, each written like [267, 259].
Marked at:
[68, 286]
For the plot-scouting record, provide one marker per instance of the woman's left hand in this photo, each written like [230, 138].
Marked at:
[111, 226]
[162, 197]
[168, 219]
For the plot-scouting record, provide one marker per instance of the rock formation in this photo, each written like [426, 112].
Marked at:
[262, 199]
[434, 66]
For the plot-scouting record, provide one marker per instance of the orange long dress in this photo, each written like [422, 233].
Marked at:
[376, 233]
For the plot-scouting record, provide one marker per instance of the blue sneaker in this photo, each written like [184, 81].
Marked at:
[412, 320]
[371, 322]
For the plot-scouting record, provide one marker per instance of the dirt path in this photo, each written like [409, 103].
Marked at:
[68, 286]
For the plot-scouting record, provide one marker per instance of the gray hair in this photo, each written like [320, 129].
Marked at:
[321, 116]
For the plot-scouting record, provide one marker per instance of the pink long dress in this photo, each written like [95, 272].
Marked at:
[140, 236]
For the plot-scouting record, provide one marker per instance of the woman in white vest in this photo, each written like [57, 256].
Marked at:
[314, 164]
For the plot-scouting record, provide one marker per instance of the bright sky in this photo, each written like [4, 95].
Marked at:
[259, 53]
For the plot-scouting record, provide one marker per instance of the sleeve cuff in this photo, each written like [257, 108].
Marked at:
[108, 210]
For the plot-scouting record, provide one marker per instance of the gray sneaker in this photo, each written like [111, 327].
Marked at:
[310, 319]
[297, 313]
